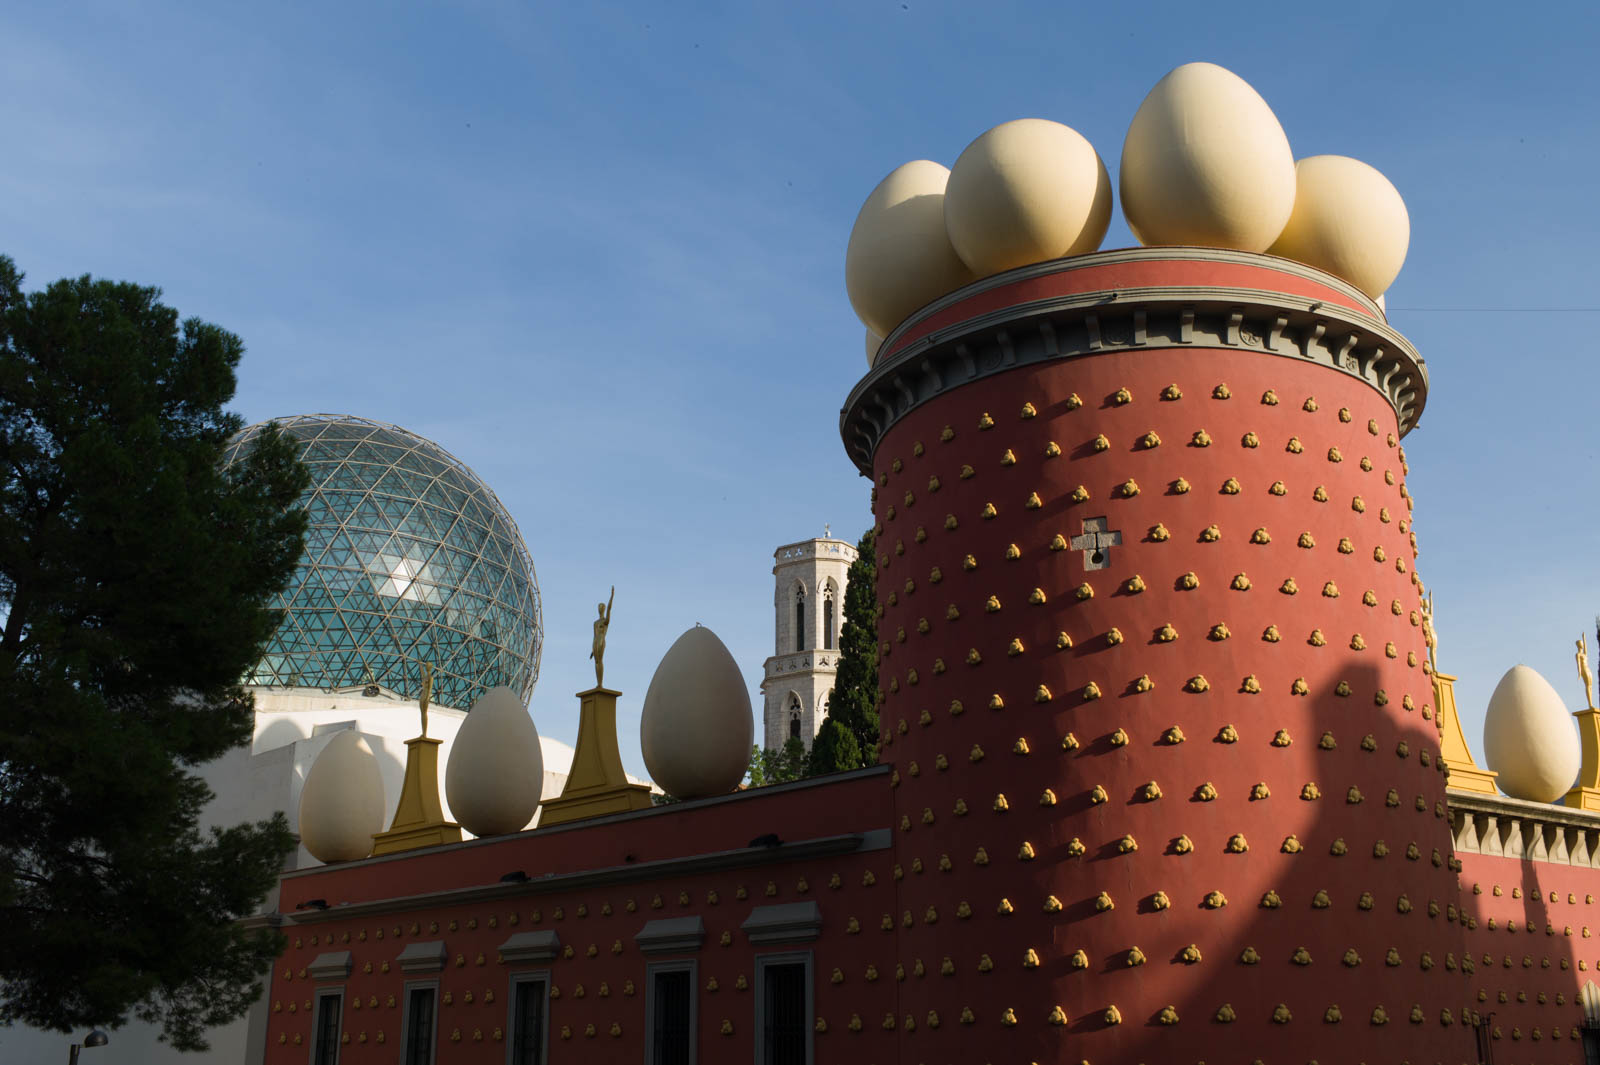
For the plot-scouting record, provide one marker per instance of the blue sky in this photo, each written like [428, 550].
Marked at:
[597, 252]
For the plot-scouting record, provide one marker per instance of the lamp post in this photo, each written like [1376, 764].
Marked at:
[95, 1038]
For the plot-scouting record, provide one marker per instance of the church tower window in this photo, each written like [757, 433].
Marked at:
[799, 620]
[827, 621]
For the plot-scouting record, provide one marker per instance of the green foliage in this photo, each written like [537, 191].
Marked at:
[777, 765]
[835, 748]
[134, 576]
[849, 735]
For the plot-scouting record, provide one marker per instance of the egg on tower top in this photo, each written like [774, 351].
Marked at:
[899, 256]
[1206, 162]
[1349, 220]
[1025, 192]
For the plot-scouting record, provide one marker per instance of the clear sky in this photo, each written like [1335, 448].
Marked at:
[597, 252]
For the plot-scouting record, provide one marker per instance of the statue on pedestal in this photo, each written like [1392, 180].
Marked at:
[1430, 638]
[598, 651]
[427, 693]
[1582, 658]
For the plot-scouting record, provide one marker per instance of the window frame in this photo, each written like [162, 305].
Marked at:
[799, 621]
[527, 976]
[319, 998]
[788, 957]
[651, 970]
[405, 1020]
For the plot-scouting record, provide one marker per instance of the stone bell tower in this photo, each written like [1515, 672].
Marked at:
[808, 599]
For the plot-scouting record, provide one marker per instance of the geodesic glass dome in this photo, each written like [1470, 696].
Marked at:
[410, 559]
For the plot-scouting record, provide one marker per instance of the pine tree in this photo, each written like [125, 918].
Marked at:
[134, 577]
[777, 765]
[849, 735]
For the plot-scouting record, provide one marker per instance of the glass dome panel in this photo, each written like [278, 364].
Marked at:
[409, 559]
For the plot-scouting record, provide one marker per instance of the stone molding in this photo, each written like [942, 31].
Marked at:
[671, 935]
[1502, 827]
[335, 965]
[543, 945]
[785, 922]
[663, 869]
[425, 957]
[1153, 319]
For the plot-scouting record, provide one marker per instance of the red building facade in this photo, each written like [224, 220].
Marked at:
[1161, 776]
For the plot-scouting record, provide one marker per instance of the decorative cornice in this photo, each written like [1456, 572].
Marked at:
[1502, 827]
[663, 869]
[1149, 318]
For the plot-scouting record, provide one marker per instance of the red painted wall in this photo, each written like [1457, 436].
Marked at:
[1527, 968]
[955, 582]
[593, 984]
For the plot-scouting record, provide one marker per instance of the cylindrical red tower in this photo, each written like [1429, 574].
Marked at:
[1166, 770]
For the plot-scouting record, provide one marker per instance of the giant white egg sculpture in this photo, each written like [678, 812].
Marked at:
[1349, 220]
[695, 729]
[496, 769]
[341, 802]
[899, 257]
[1024, 192]
[1206, 162]
[1529, 739]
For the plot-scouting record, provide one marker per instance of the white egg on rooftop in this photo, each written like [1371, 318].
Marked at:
[1205, 162]
[1026, 191]
[899, 257]
[341, 803]
[696, 728]
[496, 768]
[1529, 738]
[1349, 220]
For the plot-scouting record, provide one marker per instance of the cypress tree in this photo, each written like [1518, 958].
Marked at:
[849, 735]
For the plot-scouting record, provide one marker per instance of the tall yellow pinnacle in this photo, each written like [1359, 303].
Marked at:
[419, 817]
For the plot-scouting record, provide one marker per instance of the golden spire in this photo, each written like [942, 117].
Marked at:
[1461, 771]
[418, 816]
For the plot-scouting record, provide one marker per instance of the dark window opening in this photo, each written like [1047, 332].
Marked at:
[800, 621]
[827, 622]
[325, 1041]
[419, 1026]
[672, 1034]
[794, 726]
[527, 1023]
[784, 1026]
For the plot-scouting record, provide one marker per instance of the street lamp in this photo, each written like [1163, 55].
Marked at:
[96, 1038]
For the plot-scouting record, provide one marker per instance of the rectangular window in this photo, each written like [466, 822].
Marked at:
[670, 1013]
[325, 1029]
[419, 1024]
[783, 1022]
[529, 1001]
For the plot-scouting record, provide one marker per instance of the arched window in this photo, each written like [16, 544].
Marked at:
[827, 622]
[794, 716]
[799, 620]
